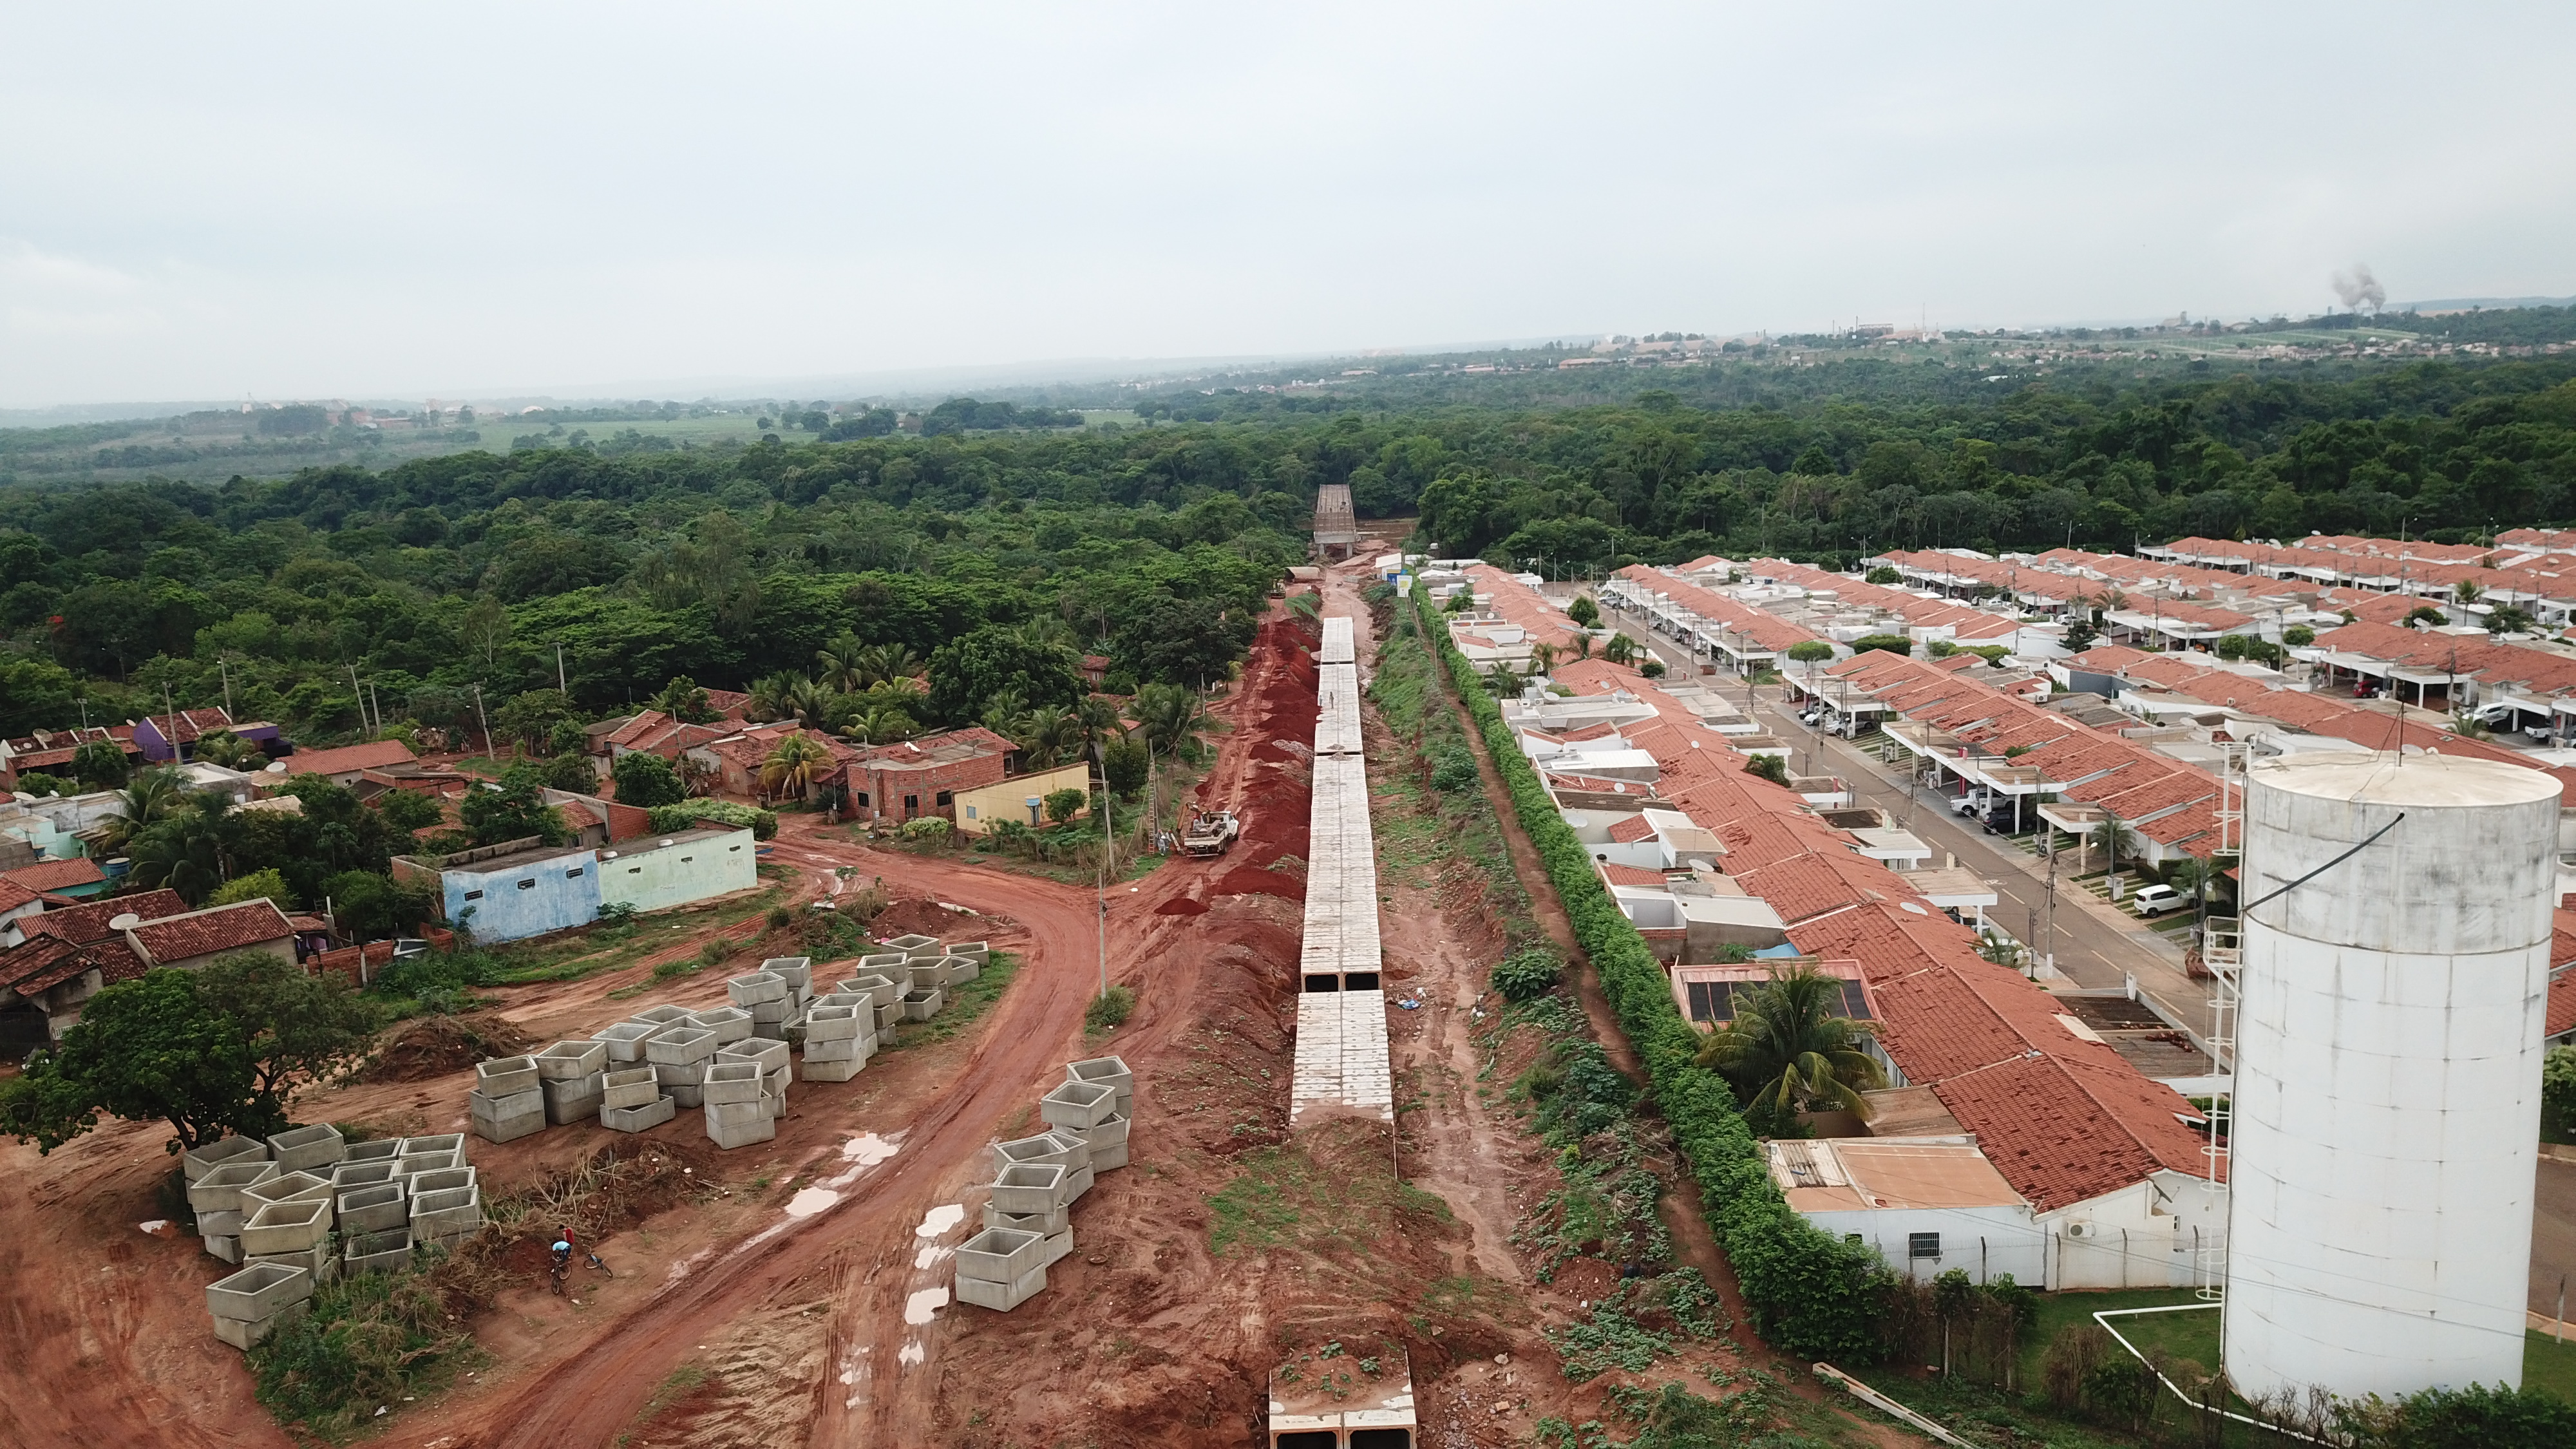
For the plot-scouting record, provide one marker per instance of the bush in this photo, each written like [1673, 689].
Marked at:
[366, 1342]
[1892, 643]
[929, 830]
[1809, 1292]
[2476, 1417]
[1453, 767]
[1525, 975]
[689, 814]
[1110, 1009]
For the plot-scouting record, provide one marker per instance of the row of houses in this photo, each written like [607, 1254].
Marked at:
[967, 776]
[59, 955]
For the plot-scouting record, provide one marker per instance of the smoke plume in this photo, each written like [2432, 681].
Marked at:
[2358, 287]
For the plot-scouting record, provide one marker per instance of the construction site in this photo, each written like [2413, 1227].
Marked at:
[901, 1254]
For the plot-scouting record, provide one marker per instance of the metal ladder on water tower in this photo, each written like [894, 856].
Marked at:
[2222, 953]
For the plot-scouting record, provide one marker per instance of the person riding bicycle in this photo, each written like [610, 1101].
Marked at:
[564, 1246]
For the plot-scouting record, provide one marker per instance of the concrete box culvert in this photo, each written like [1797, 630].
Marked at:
[888, 1013]
[374, 1209]
[257, 1292]
[796, 971]
[1078, 1105]
[1042, 1224]
[838, 1069]
[728, 1083]
[1078, 1182]
[957, 970]
[204, 1159]
[887, 961]
[660, 1014]
[446, 1214]
[346, 1175]
[221, 1224]
[637, 1119]
[998, 1255]
[1058, 1244]
[742, 1135]
[1071, 1149]
[1111, 1072]
[383, 1149]
[444, 1142]
[506, 1119]
[286, 1227]
[912, 947]
[286, 1187]
[730, 1023]
[685, 1047]
[447, 1181]
[574, 1101]
[1107, 1132]
[220, 1188]
[412, 1165]
[840, 996]
[320, 1260]
[768, 1016]
[842, 1049]
[633, 1087]
[319, 1145]
[766, 1055]
[923, 1005]
[923, 976]
[1029, 1188]
[880, 989]
[1109, 1159]
[684, 1094]
[1002, 1297]
[625, 1041]
[245, 1336]
[570, 1061]
[756, 988]
[833, 1023]
[224, 1247]
[386, 1252]
[506, 1076]
[978, 952]
[1039, 1150]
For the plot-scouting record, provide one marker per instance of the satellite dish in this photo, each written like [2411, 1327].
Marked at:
[126, 922]
[276, 767]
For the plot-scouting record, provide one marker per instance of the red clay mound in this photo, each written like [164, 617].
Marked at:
[1252, 880]
[922, 916]
[1181, 906]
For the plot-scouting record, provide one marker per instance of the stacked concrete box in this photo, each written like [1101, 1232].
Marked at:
[347, 1175]
[570, 1074]
[446, 1181]
[730, 1084]
[979, 952]
[227, 1249]
[924, 976]
[923, 1005]
[383, 1149]
[205, 1159]
[834, 1047]
[1107, 1139]
[448, 1217]
[663, 1014]
[383, 1252]
[769, 1056]
[304, 1148]
[636, 1119]
[1110, 1072]
[625, 1041]
[1078, 1105]
[286, 1187]
[730, 1023]
[958, 970]
[286, 1227]
[757, 988]
[1042, 1224]
[679, 1059]
[914, 948]
[1000, 1268]
[216, 1197]
[444, 1142]
[740, 1124]
[374, 1209]
[632, 1100]
[413, 1164]
[886, 963]
[320, 1260]
[797, 971]
[250, 1305]
[1076, 1157]
[1025, 1187]
[773, 1091]
[507, 1103]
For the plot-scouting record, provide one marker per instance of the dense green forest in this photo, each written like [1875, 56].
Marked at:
[999, 556]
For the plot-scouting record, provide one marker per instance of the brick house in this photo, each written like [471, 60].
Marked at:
[922, 777]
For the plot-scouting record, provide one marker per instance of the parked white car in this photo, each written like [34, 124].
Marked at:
[2155, 900]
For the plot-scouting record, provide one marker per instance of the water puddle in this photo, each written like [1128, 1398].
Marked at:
[919, 1306]
[941, 1219]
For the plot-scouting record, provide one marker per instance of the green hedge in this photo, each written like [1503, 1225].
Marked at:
[686, 815]
[1810, 1293]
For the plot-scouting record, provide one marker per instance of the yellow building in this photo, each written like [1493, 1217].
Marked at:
[1019, 798]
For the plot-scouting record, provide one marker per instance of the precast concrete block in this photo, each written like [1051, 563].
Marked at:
[1075, 1152]
[1029, 1188]
[766, 1055]
[1078, 1105]
[633, 1087]
[923, 976]
[412, 1165]
[685, 1094]
[574, 1099]
[684, 1047]
[221, 1224]
[838, 997]
[663, 1014]
[776, 1080]
[444, 1142]
[1058, 1244]
[998, 1255]
[568, 1061]
[383, 1149]
[1042, 1224]
[219, 1188]
[508, 1119]
[796, 971]
[257, 1292]
[1109, 1159]
[286, 1187]
[978, 952]
[769, 1015]
[757, 988]
[1111, 1072]
[957, 970]
[227, 1249]
[447, 1181]
[883, 988]
[1107, 1132]
[506, 1076]
[446, 1214]
[1002, 1297]
[319, 1145]
[625, 1041]
[837, 1069]
[385, 1252]
[204, 1159]
[374, 1209]
[729, 1023]
[886, 1036]
[1040, 1150]
[729, 1138]
[729, 1083]
[882, 960]
[286, 1227]
[792, 1032]
[923, 1005]
[318, 1260]
[842, 1049]
[914, 948]
[1077, 1182]
[245, 1336]
[636, 1119]
[736, 1114]
[887, 1015]
[346, 1175]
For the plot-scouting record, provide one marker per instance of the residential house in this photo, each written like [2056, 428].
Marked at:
[521, 888]
[168, 737]
[194, 938]
[78, 878]
[920, 777]
[342, 765]
[1019, 798]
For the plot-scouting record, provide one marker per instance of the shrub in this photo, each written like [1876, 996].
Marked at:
[1110, 1009]
[1809, 1292]
[365, 1342]
[688, 814]
[929, 830]
[1525, 975]
[1892, 643]
[1453, 767]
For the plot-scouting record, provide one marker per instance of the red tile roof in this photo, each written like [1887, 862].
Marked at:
[1629, 875]
[216, 928]
[375, 754]
[1631, 830]
[56, 875]
[2074, 1131]
[14, 895]
[87, 921]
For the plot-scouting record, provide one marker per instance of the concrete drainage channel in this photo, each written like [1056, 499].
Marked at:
[1028, 1224]
[302, 1206]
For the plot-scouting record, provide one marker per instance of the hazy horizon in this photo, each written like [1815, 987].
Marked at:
[605, 201]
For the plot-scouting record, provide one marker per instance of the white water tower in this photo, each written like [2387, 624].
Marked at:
[2387, 1103]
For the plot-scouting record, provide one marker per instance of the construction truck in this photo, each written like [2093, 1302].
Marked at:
[1210, 833]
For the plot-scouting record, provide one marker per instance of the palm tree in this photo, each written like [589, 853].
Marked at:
[773, 696]
[1100, 721]
[1542, 658]
[881, 724]
[798, 761]
[1582, 646]
[886, 663]
[223, 747]
[1171, 717]
[1046, 735]
[1502, 681]
[1791, 1049]
[842, 665]
[2467, 592]
[2113, 838]
[2004, 952]
[1620, 650]
[1045, 631]
[184, 850]
[811, 703]
[148, 798]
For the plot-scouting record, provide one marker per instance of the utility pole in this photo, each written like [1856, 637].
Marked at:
[360, 691]
[171, 712]
[485, 718]
[2048, 848]
[560, 686]
[1104, 885]
[225, 670]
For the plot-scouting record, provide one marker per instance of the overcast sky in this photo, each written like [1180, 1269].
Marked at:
[280, 201]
